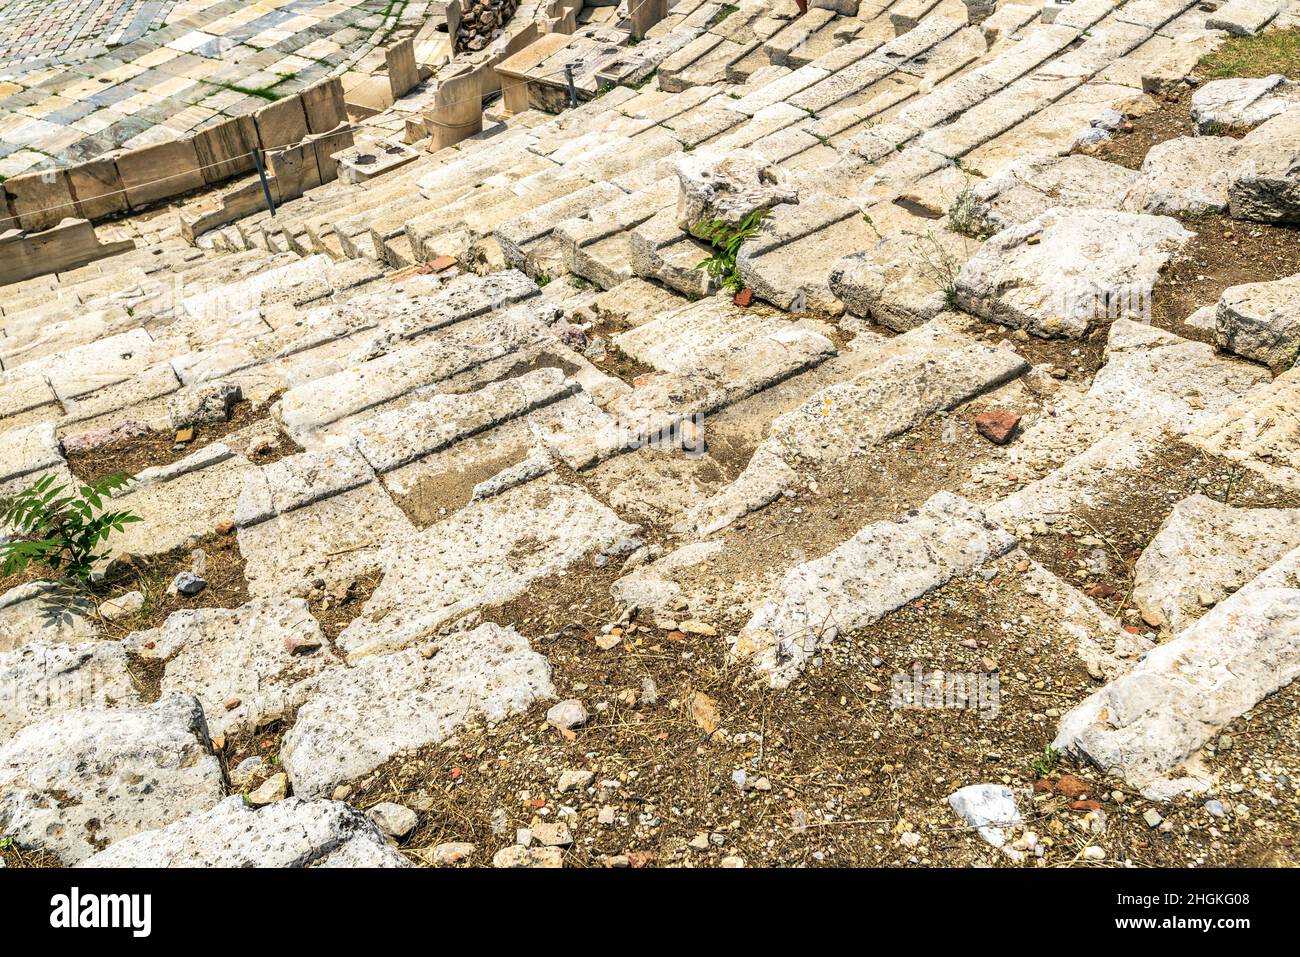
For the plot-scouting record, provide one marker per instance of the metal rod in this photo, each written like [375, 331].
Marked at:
[573, 91]
[266, 187]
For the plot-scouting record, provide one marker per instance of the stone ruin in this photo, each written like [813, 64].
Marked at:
[978, 392]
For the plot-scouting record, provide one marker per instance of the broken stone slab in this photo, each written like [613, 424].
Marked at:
[877, 571]
[1030, 187]
[485, 554]
[1085, 478]
[655, 586]
[1056, 274]
[1259, 431]
[27, 450]
[296, 481]
[1153, 372]
[1203, 552]
[203, 404]
[248, 666]
[79, 781]
[1104, 646]
[44, 678]
[1265, 185]
[794, 275]
[891, 283]
[360, 717]
[678, 340]
[726, 187]
[927, 370]
[1242, 103]
[336, 539]
[1188, 174]
[1243, 18]
[656, 409]
[764, 478]
[182, 499]
[391, 439]
[1147, 725]
[288, 833]
[1261, 321]
[44, 611]
[301, 281]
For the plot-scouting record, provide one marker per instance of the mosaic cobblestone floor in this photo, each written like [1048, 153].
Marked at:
[79, 78]
[38, 29]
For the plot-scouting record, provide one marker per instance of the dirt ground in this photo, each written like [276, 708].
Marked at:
[154, 448]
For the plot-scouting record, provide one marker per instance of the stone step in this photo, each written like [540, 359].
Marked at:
[880, 569]
[312, 406]
[1147, 725]
[485, 554]
[928, 370]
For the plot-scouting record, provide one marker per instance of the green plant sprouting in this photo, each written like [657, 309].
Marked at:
[726, 241]
[60, 528]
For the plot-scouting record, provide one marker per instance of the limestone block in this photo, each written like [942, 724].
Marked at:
[282, 123]
[157, 172]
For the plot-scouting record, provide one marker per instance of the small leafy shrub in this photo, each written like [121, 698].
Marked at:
[61, 529]
[726, 241]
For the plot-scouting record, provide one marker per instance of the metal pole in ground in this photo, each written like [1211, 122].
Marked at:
[261, 174]
[573, 91]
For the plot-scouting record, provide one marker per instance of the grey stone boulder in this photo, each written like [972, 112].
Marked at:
[1056, 274]
[82, 780]
[1265, 185]
[203, 404]
[1203, 552]
[1260, 321]
[288, 833]
[1242, 103]
[1189, 174]
[727, 186]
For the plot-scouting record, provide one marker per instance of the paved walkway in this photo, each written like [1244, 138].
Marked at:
[79, 78]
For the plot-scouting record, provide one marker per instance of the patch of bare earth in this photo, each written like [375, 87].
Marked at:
[1225, 252]
[154, 448]
[1096, 548]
